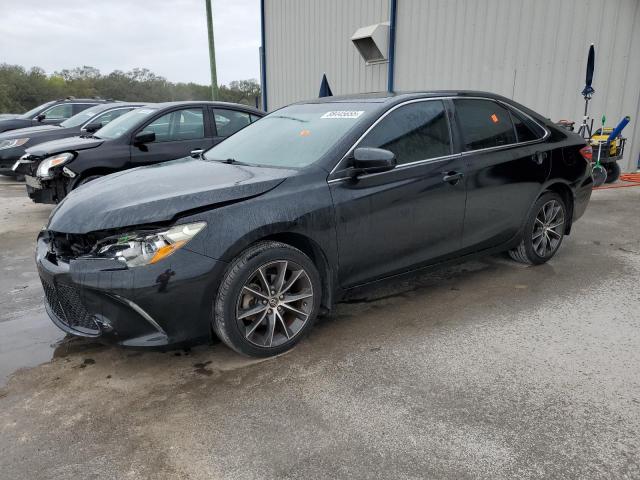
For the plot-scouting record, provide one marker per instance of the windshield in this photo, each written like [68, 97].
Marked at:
[33, 111]
[125, 123]
[82, 117]
[294, 136]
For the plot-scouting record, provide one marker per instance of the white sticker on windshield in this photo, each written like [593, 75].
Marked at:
[343, 114]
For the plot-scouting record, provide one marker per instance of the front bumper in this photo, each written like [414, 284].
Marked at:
[8, 158]
[153, 305]
[46, 191]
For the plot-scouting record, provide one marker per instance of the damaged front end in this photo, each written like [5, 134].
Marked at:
[47, 179]
[102, 285]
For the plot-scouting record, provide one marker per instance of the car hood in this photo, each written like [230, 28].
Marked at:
[71, 144]
[13, 123]
[7, 116]
[28, 131]
[159, 193]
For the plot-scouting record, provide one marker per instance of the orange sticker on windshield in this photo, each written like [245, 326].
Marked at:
[305, 133]
[494, 118]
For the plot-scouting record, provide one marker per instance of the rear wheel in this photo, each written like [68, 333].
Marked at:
[543, 232]
[613, 172]
[269, 297]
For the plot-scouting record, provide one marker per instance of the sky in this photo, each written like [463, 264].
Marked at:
[169, 37]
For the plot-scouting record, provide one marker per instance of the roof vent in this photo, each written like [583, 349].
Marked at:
[372, 42]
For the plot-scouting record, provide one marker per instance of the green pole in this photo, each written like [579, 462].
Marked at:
[212, 53]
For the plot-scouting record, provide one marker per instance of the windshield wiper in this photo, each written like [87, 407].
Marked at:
[290, 118]
[228, 161]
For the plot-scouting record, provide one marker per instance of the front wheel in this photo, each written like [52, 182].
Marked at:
[269, 297]
[86, 180]
[543, 232]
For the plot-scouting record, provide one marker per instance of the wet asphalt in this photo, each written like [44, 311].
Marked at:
[484, 370]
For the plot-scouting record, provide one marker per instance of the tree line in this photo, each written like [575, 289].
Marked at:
[22, 89]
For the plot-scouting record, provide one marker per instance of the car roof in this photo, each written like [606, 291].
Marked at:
[385, 100]
[235, 106]
[101, 107]
[393, 97]
[86, 100]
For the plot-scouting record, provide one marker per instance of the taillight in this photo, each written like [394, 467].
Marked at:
[587, 153]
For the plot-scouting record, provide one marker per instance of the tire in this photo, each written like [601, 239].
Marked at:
[613, 172]
[542, 238]
[86, 180]
[283, 312]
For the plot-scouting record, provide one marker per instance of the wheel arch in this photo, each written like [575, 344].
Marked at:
[306, 245]
[566, 193]
[89, 173]
[310, 248]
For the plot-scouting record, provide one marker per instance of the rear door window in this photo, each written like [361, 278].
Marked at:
[185, 124]
[416, 131]
[81, 107]
[229, 122]
[484, 124]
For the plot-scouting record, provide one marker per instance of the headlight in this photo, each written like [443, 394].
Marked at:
[143, 248]
[44, 169]
[14, 142]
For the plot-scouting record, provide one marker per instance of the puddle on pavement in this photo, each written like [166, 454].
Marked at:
[27, 341]
[30, 340]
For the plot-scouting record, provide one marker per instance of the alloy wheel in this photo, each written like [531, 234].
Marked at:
[274, 303]
[548, 228]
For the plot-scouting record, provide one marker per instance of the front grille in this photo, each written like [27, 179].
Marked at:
[64, 301]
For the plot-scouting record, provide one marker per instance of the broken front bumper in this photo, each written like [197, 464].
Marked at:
[152, 305]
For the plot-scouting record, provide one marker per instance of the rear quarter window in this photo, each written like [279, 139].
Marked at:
[526, 130]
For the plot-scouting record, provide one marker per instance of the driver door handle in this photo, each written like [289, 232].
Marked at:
[452, 177]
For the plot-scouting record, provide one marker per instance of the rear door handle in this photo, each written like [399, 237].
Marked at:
[452, 177]
[539, 157]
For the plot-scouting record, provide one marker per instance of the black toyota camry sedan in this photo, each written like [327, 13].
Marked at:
[254, 238]
[153, 134]
[14, 142]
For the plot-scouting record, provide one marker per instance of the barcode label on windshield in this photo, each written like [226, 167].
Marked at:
[343, 114]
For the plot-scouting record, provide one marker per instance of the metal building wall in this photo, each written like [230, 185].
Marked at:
[306, 38]
[533, 51]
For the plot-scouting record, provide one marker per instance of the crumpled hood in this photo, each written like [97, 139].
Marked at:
[71, 144]
[26, 132]
[158, 193]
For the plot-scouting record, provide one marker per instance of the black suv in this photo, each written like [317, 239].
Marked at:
[50, 113]
[147, 135]
[14, 143]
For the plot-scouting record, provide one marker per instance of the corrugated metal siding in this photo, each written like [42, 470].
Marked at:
[533, 51]
[306, 38]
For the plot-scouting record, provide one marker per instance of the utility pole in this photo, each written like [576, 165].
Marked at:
[212, 52]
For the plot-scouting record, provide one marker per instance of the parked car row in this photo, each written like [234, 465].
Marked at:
[50, 113]
[254, 236]
[14, 143]
[111, 137]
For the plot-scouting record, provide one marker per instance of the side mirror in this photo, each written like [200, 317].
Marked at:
[144, 137]
[372, 160]
[41, 117]
[93, 127]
